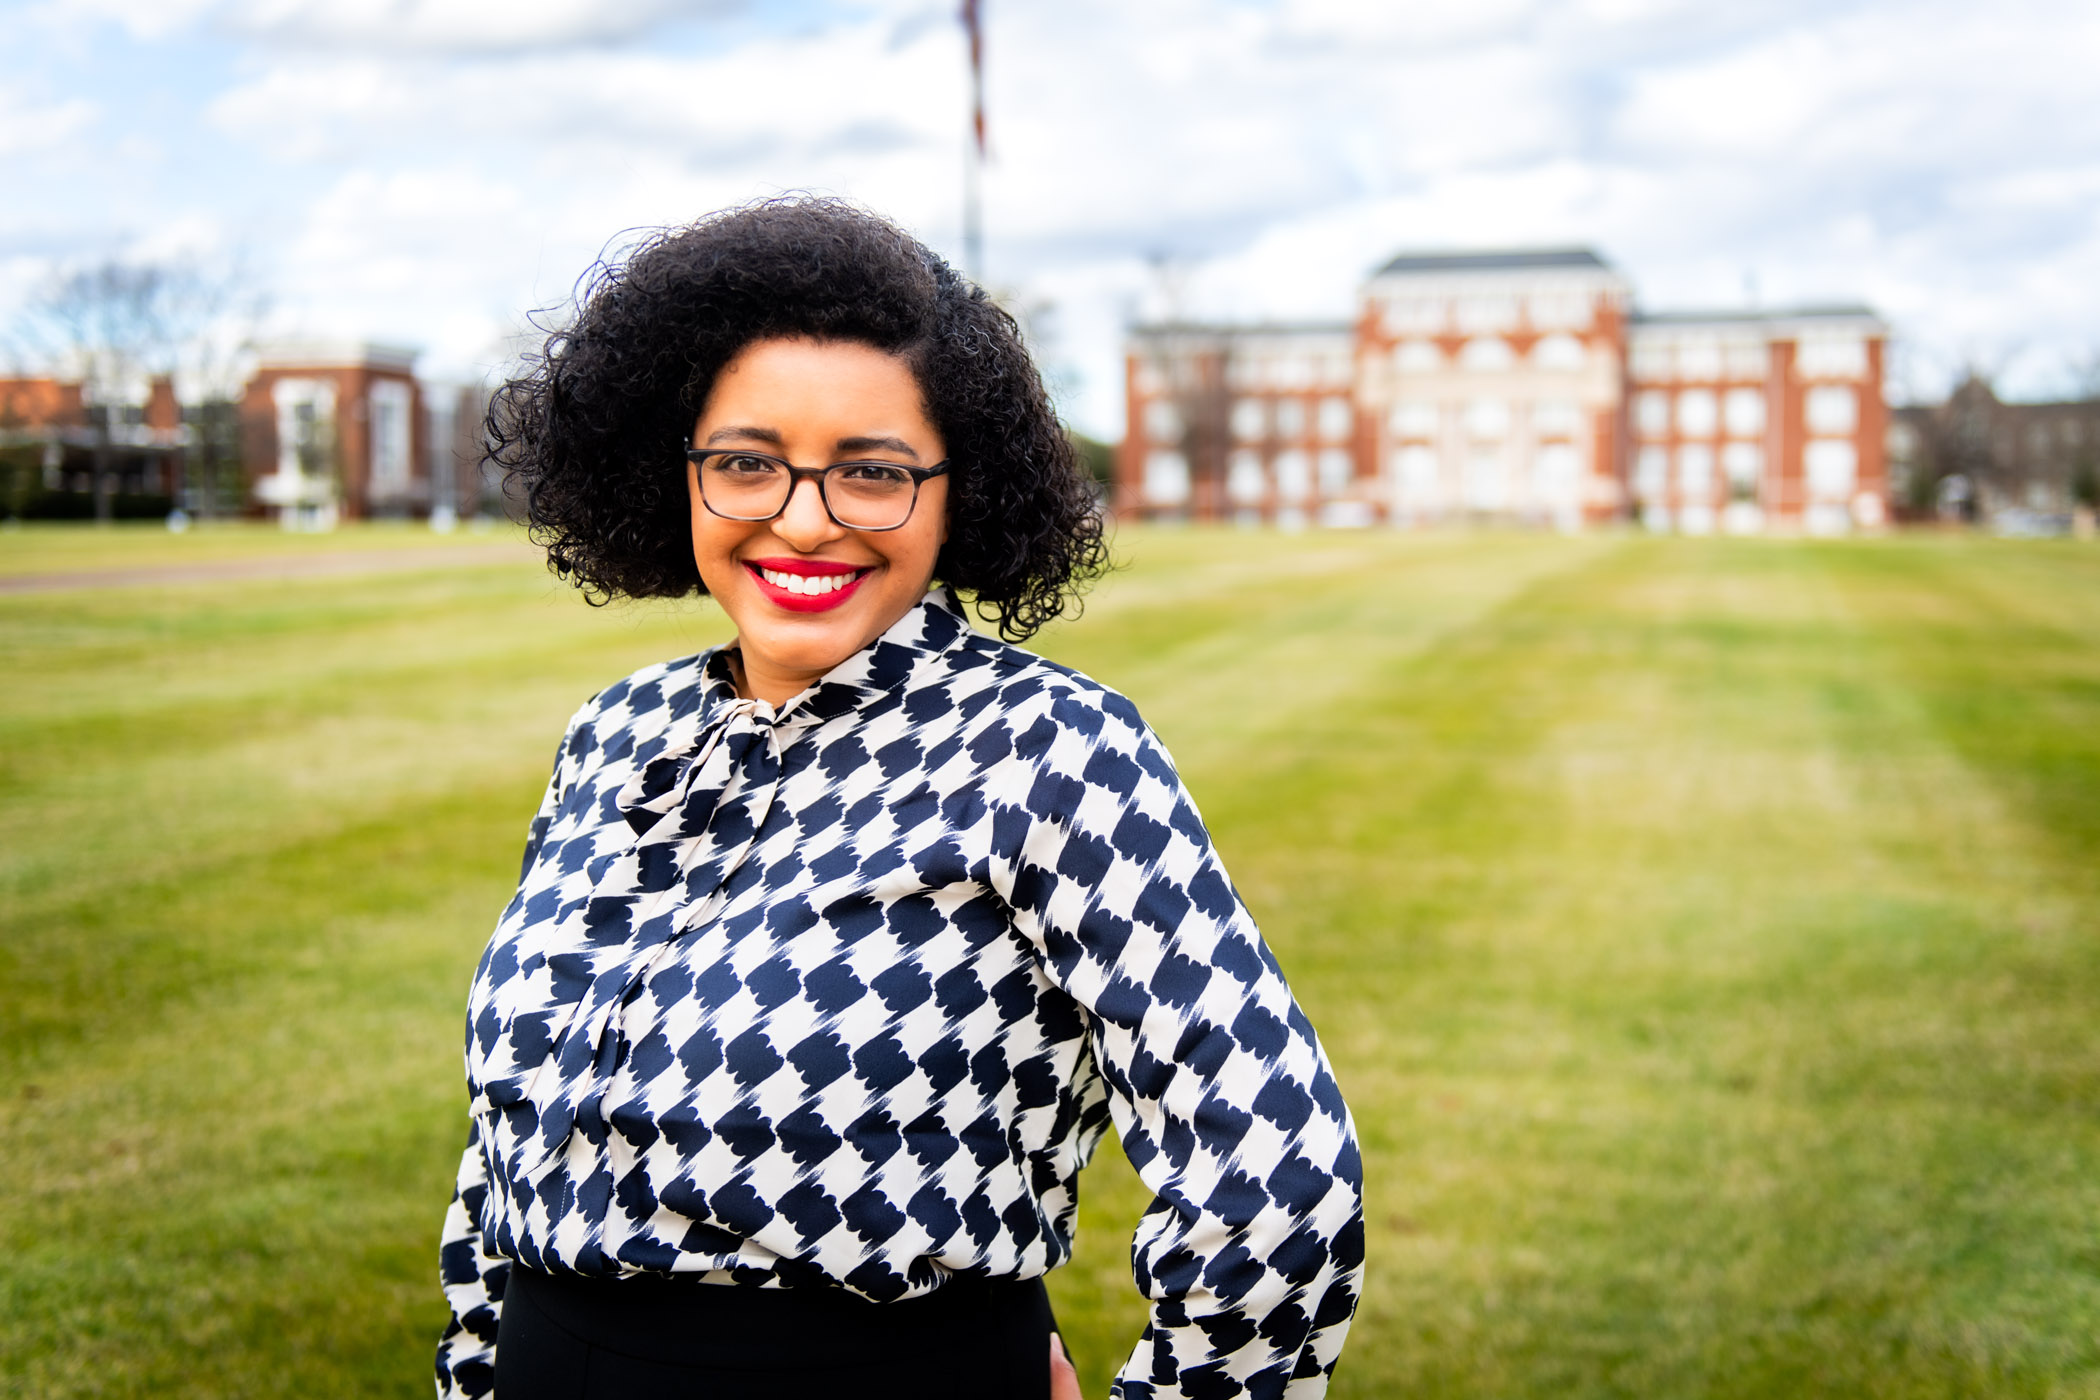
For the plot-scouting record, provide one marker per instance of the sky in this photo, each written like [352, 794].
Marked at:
[429, 172]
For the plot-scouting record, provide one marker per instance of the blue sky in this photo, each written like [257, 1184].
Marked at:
[426, 171]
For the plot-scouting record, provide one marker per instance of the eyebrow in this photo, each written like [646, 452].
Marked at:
[720, 435]
[845, 444]
[878, 444]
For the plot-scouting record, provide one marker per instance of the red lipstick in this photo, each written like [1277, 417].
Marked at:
[814, 585]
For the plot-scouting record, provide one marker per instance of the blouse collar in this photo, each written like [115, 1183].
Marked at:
[927, 629]
[699, 716]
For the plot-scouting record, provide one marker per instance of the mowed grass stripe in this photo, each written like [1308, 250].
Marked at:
[1703, 932]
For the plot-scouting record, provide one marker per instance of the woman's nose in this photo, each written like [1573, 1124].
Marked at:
[803, 522]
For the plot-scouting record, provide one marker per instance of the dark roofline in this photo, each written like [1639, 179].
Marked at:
[1493, 260]
[1777, 313]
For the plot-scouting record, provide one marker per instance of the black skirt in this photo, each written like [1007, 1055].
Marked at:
[568, 1338]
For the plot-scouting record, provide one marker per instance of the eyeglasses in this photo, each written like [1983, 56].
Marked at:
[737, 484]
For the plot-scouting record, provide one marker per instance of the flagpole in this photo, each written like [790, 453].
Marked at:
[973, 157]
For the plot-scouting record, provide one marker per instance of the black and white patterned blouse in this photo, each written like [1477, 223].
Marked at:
[845, 993]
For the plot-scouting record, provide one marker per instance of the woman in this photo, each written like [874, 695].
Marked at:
[836, 949]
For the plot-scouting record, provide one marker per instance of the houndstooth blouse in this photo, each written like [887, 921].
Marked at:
[844, 993]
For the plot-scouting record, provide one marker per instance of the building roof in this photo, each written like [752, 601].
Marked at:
[1739, 314]
[1493, 260]
[336, 354]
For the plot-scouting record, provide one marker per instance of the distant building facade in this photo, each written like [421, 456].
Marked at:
[57, 449]
[1976, 457]
[320, 432]
[1515, 386]
[335, 430]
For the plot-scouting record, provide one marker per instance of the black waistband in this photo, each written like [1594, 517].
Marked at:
[674, 1318]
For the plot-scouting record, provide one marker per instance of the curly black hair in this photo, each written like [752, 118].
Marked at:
[593, 434]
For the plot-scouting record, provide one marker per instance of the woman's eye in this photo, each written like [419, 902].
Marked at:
[875, 474]
[745, 466]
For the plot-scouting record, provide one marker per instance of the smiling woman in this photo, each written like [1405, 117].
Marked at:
[836, 949]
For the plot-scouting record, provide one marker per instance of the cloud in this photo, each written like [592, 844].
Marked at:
[31, 127]
[425, 169]
[438, 26]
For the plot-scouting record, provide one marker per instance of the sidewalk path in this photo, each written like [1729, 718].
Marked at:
[359, 561]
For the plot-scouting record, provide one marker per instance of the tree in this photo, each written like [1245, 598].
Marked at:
[117, 324]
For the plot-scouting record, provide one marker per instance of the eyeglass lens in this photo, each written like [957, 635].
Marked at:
[859, 495]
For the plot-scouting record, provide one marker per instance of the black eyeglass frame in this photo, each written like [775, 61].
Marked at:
[796, 475]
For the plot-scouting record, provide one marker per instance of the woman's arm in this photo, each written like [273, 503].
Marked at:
[473, 1280]
[1252, 1250]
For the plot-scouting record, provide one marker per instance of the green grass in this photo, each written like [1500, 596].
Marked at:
[41, 548]
[1704, 932]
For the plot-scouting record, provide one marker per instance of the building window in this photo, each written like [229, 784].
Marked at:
[1651, 413]
[1748, 359]
[1250, 420]
[1336, 469]
[1832, 409]
[1487, 419]
[1697, 413]
[1420, 314]
[1148, 378]
[1290, 418]
[1556, 472]
[1166, 479]
[1556, 418]
[1744, 411]
[1486, 314]
[1651, 472]
[390, 437]
[1337, 369]
[1243, 479]
[1417, 357]
[1414, 418]
[1695, 470]
[1336, 419]
[1652, 359]
[1293, 476]
[1831, 357]
[1742, 463]
[1831, 465]
[1699, 357]
[1563, 313]
[1558, 352]
[1487, 352]
[1162, 421]
[1487, 480]
[1416, 469]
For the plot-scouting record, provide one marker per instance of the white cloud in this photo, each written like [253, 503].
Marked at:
[427, 168]
[450, 26]
[29, 127]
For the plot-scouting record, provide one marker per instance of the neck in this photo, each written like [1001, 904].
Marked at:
[761, 682]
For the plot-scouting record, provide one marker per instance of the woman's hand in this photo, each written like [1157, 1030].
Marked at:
[1064, 1381]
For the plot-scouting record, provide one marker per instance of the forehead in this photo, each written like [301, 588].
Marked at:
[846, 384]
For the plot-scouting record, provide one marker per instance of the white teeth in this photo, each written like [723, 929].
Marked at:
[807, 584]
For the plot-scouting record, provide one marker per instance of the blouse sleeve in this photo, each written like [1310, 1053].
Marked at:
[1251, 1253]
[472, 1277]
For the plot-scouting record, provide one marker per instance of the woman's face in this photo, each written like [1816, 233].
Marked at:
[813, 403]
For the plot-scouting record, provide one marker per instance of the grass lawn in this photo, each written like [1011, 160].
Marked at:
[1706, 933]
[149, 544]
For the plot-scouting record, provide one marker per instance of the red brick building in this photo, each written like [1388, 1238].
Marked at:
[335, 430]
[1518, 386]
